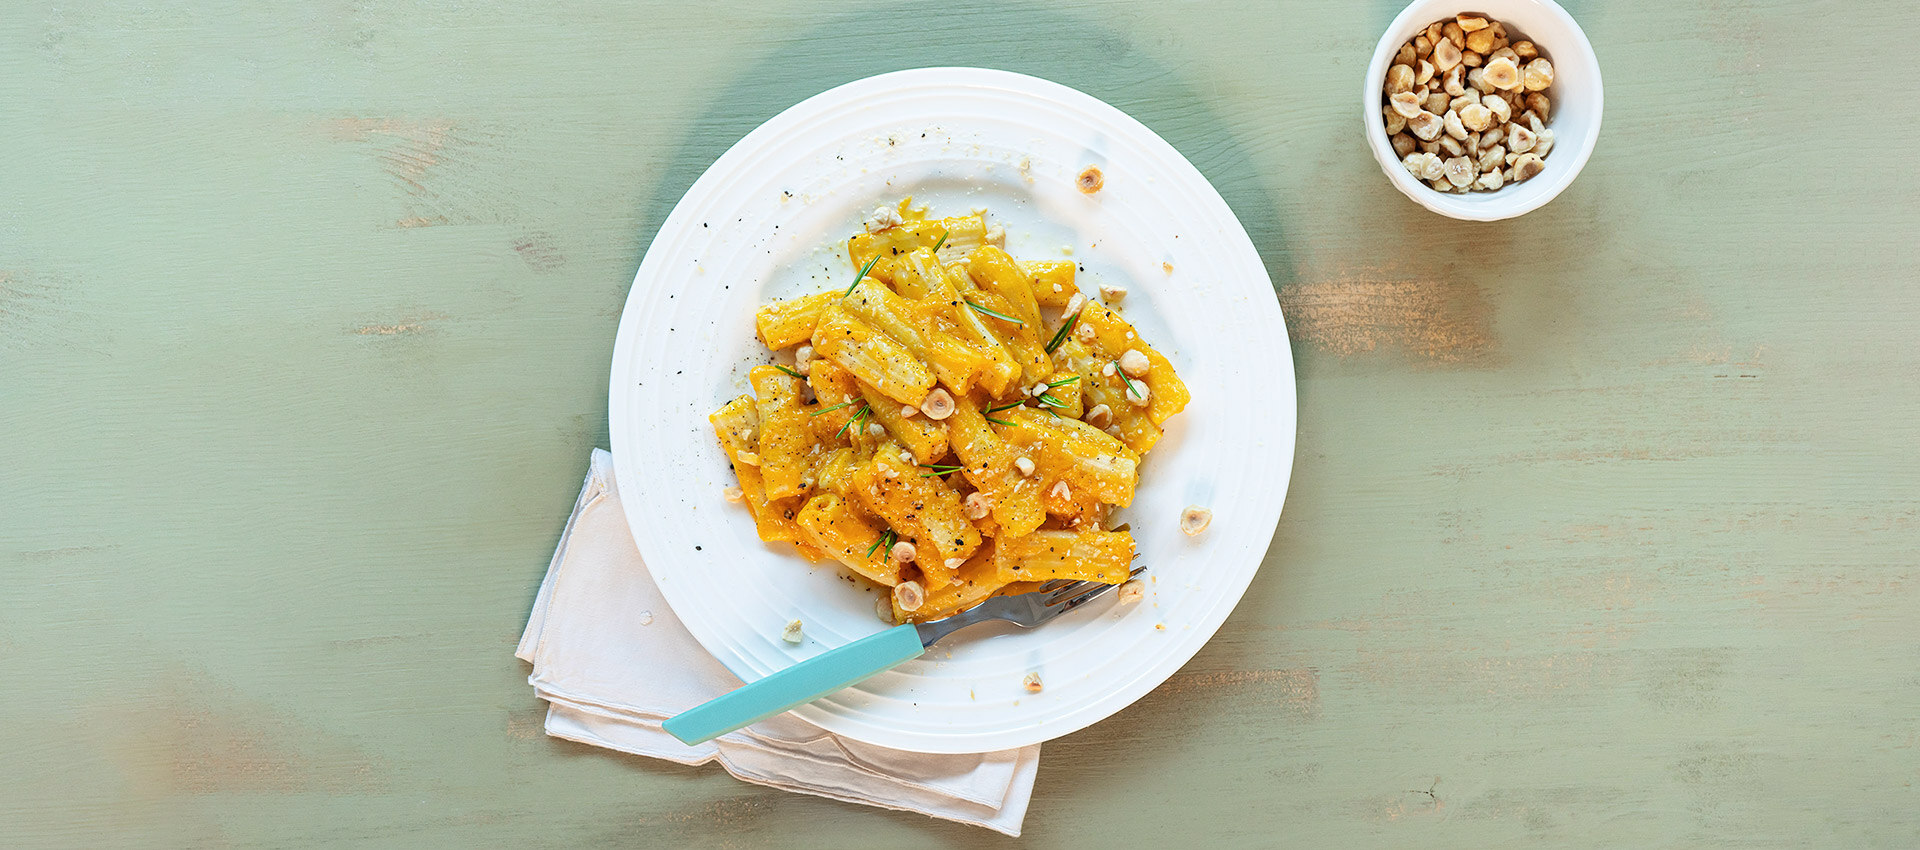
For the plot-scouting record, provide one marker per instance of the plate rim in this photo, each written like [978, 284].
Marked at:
[621, 383]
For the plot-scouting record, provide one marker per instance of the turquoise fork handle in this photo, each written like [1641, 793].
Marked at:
[802, 683]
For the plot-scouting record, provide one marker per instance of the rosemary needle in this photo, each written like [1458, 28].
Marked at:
[1061, 335]
[995, 313]
[831, 409]
[856, 418]
[887, 539]
[943, 241]
[863, 274]
[789, 371]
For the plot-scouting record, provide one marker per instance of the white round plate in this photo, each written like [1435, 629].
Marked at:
[769, 220]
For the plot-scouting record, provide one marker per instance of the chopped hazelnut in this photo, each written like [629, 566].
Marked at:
[1090, 180]
[1426, 125]
[1399, 79]
[909, 595]
[1195, 519]
[1537, 75]
[938, 405]
[1527, 166]
[1502, 74]
[1403, 144]
[977, 506]
[1446, 55]
[1406, 104]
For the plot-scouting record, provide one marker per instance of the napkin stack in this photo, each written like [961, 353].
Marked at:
[612, 662]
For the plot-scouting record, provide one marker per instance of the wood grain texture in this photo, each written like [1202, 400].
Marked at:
[1603, 531]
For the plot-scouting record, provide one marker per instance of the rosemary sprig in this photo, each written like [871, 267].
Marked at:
[943, 241]
[1050, 400]
[856, 419]
[886, 539]
[939, 469]
[1123, 378]
[863, 274]
[789, 371]
[1060, 336]
[995, 313]
[831, 409]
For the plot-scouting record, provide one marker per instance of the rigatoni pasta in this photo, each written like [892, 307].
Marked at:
[955, 423]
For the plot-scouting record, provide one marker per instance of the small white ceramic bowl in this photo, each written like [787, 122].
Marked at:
[1575, 92]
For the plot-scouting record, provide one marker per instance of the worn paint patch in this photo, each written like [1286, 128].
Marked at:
[32, 305]
[540, 251]
[66, 552]
[527, 724]
[416, 324]
[1294, 692]
[408, 147]
[1684, 679]
[190, 735]
[1359, 311]
[1723, 781]
[445, 173]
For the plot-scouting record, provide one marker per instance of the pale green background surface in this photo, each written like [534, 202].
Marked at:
[1603, 527]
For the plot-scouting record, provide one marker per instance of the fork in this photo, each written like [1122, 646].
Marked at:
[838, 668]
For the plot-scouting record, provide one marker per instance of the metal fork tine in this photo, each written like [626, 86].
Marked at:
[1080, 591]
[1084, 598]
[1066, 590]
[1025, 610]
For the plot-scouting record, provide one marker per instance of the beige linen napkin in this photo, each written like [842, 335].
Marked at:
[612, 662]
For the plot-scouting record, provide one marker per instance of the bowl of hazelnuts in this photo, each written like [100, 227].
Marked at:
[1484, 114]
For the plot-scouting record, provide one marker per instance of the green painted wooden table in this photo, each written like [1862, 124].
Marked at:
[1603, 530]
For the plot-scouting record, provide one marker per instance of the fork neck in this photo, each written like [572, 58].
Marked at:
[933, 631]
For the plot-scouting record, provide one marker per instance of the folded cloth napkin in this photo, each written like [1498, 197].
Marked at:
[612, 662]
